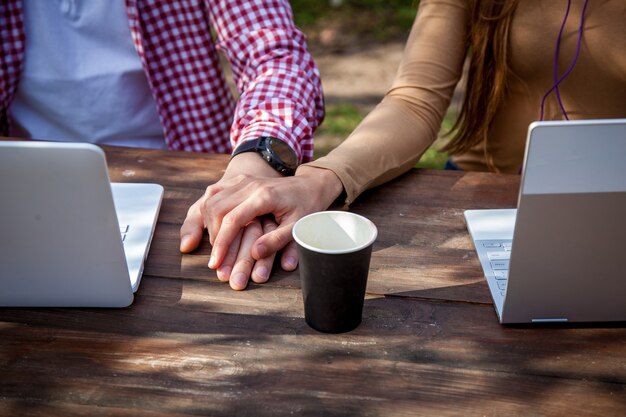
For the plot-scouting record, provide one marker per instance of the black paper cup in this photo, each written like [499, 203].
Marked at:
[334, 248]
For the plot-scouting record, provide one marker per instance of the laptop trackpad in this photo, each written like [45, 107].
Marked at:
[493, 224]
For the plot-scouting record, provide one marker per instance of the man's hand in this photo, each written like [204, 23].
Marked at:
[233, 204]
[287, 199]
[238, 266]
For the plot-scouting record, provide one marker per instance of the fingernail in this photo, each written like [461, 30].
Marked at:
[184, 242]
[262, 251]
[223, 273]
[262, 273]
[212, 262]
[239, 281]
[291, 262]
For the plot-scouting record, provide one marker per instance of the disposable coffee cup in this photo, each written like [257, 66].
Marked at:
[334, 248]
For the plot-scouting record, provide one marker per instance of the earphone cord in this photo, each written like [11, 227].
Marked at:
[571, 66]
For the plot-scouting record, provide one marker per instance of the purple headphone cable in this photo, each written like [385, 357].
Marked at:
[558, 80]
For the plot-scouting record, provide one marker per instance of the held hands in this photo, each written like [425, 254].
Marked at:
[238, 265]
[249, 217]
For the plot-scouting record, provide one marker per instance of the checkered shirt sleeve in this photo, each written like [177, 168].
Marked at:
[173, 40]
[279, 83]
[12, 56]
[276, 77]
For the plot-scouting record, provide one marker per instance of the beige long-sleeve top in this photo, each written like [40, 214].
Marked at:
[392, 138]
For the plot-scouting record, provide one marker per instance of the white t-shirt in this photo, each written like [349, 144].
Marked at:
[82, 79]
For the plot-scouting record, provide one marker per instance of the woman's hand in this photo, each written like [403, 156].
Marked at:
[235, 211]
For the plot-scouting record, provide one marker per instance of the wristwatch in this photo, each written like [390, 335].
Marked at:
[276, 152]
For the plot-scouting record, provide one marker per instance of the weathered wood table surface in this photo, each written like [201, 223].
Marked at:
[429, 344]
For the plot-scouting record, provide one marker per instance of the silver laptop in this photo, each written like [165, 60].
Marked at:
[560, 256]
[68, 237]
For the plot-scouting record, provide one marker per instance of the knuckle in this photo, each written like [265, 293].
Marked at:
[245, 263]
[208, 209]
[205, 205]
[241, 178]
[211, 190]
[279, 240]
[192, 210]
[229, 219]
[254, 227]
[269, 225]
[264, 192]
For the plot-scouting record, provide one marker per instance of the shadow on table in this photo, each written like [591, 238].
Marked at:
[208, 354]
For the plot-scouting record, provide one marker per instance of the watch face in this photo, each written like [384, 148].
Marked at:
[283, 152]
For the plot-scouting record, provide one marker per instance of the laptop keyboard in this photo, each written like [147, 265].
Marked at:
[498, 255]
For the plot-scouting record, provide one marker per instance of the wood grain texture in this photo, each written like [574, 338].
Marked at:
[429, 344]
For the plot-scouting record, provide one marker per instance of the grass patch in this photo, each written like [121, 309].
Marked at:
[433, 158]
[358, 22]
[341, 119]
[377, 20]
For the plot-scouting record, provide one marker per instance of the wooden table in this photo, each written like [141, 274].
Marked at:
[429, 344]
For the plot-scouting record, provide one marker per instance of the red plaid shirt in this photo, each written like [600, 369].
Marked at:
[279, 85]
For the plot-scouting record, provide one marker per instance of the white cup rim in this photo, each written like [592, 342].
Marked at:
[369, 241]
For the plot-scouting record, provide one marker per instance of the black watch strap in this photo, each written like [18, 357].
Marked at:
[274, 151]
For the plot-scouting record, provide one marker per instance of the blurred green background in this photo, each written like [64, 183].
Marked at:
[369, 20]
[356, 25]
